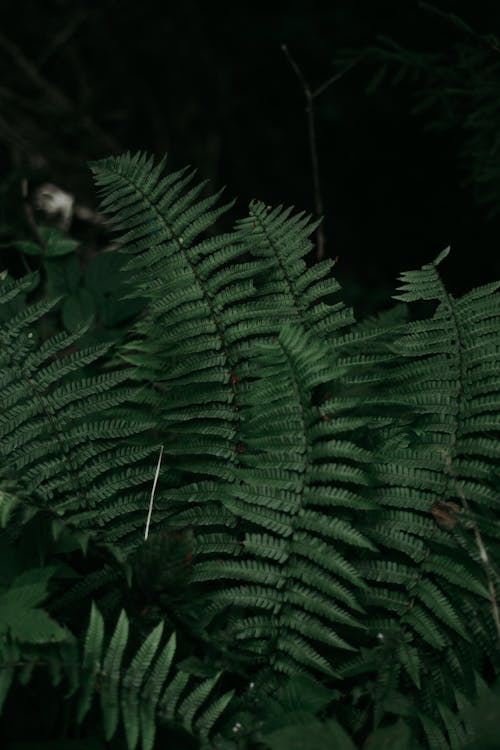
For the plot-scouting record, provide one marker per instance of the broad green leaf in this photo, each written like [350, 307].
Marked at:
[32, 625]
[103, 277]
[54, 240]
[63, 275]
[56, 243]
[303, 693]
[102, 274]
[77, 309]
[314, 735]
[27, 247]
[396, 737]
[20, 616]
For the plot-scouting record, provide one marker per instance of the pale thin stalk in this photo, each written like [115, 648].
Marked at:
[150, 511]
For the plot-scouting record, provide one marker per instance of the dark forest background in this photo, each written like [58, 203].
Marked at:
[209, 84]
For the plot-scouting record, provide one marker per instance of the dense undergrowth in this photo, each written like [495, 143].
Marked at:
[316, 565]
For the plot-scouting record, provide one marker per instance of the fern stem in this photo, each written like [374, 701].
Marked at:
[157, 473]
[483, 552]
[310, 95]
[313, 148]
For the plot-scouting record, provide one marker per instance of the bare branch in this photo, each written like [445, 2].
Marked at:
[333, 79]
[310, 96]
[52, 93]
[311, 127]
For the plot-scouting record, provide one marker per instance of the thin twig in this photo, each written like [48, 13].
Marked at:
[334, 78]
[150, 511]
[310, 96]
[311, 127]
[483, 552]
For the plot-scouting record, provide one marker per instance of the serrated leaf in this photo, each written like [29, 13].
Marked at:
[111, 676]
[151, 693]
[91, 662]
[408, 656]
[132, 683]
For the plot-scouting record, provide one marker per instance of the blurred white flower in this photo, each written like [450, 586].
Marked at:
[56, 203]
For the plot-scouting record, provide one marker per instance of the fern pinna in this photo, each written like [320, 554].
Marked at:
[331, 485]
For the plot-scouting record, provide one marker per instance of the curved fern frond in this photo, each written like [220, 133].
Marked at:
[183, 343]
[294, 556]
[432, 490]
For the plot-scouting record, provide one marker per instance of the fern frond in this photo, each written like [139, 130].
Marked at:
[430, 485]
[185, 342]
[131, 697]
[302, 292]
[292, 554]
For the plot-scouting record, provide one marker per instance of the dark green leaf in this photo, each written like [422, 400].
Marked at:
[304, 693]
[56, 243]
[396, 737]
[77, 309]
[314, 736]
[63, 275]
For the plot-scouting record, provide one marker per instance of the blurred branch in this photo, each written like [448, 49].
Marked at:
[63, 36]
[16, 55]
[52, 93]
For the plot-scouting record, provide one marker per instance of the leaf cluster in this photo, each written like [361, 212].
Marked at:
[321, 565]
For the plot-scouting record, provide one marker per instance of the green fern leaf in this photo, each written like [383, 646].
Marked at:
[91, 663]
[110, 677]
[132, 682]
[151, 693]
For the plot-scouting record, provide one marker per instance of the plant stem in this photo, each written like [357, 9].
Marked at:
[310, 95]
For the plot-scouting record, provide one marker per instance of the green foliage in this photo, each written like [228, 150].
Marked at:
[21, 618]
[323, 546]
[53, 243]
[315, 734]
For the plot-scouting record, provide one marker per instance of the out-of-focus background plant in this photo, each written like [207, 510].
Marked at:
[407, 138]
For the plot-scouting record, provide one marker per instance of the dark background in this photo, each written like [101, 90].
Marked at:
[209, 84]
